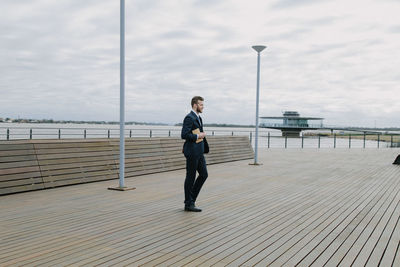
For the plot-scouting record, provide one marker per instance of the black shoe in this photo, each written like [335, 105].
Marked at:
[192, 208]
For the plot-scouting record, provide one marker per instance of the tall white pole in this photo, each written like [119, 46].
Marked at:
[122, 98]
[258, 48]
[257, 101]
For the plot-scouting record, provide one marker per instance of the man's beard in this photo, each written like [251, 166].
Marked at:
[198, 110]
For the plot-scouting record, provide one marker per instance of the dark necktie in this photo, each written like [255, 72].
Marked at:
[201, 124]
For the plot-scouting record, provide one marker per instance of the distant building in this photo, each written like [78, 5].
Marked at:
[291, 124]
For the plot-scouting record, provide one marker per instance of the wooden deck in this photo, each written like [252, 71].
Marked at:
[301, 207]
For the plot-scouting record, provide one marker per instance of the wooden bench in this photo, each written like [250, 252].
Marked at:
[19, 168]
[39, 164]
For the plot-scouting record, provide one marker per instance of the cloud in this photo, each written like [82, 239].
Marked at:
[294, 3]
[60, 59]
[395, 29]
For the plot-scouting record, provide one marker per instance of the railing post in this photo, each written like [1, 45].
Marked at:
[269, 138]
[364, 138]
[349, 140]
[319, 141]
[213, 133]
[334, 140]
[30, 134]
[84, 134]
[151, 133]
[59, 133]
[108, 133]
[378, 139]
[130, 133]
[285, 141]
[232, 133]
[169, 133]
[391, 141]
[251, 137]
[302, 141]
[8, 134]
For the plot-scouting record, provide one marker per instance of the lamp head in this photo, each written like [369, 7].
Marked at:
[259, 48]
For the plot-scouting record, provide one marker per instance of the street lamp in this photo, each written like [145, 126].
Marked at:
[258, 48]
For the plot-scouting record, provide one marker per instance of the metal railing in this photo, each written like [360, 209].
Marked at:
[283, 125]
[266, 140]
[8, 133]
[332, 141]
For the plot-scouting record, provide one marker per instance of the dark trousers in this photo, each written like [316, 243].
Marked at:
[193, 185]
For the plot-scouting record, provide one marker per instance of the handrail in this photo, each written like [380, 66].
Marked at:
[84, 132]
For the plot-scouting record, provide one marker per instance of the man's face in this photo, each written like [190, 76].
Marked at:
[199, 106]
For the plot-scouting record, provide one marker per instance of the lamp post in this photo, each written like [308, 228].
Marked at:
[122, 99]
[122, 186]
[258, 48]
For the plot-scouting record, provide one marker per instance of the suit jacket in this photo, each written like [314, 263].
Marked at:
[190, 147]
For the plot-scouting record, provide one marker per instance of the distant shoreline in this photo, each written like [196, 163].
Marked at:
[21, 121]
[78, 122]
[222, 125]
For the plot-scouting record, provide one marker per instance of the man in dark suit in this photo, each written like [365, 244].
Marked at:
[194, 148]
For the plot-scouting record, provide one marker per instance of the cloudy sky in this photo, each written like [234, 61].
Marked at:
[337, 59]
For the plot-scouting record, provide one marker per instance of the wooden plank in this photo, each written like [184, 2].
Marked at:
[80, 164]
[216, 160]
[135, 141]
[76, 160]
[213, 160]
[84, 169]
[4, 147]
[143, 150]
[19, 152]
[231, 143]
[392, 247]
[71, 144]
[73, 155]
[142, 155]
[80, 180]
[22, 188]
[229, 149]
[133, 146]
[77, 176]
[69, 140]
[72, 150]
[17, 158]
[19, 170]
[19, 176]
[133, 173]
[30, 181]
[228, 153]
[18, 164]
[396, 260]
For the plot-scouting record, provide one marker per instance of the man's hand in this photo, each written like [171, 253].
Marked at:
[202, 135]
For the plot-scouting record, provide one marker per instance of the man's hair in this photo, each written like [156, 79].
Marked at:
[196, 100]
